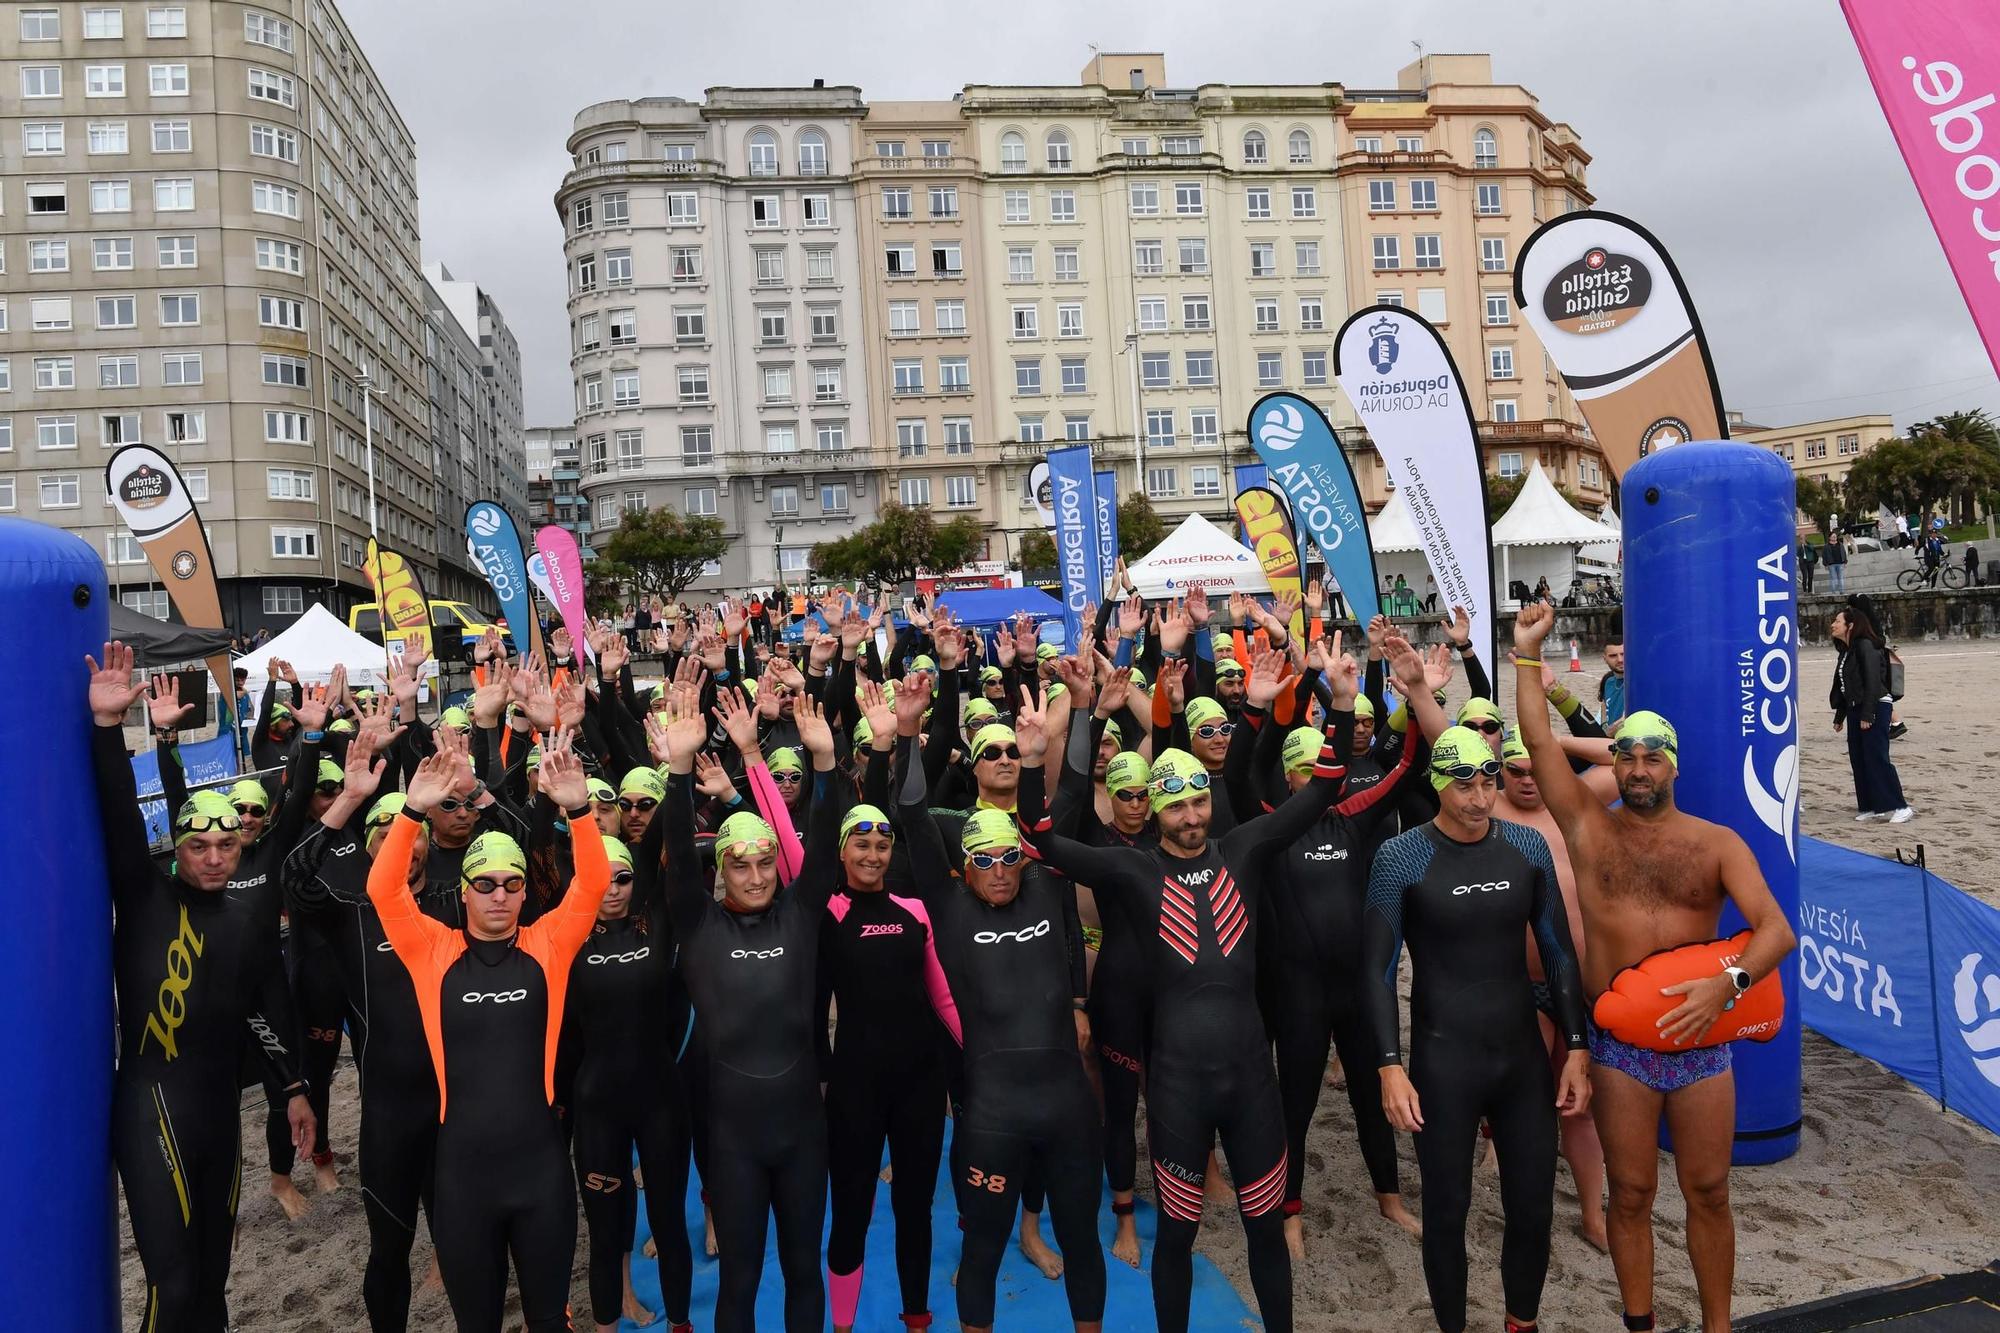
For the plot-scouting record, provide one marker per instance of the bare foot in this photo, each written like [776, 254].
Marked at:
[1336, 1077]
[708, 1228]
[433, 1280]
[325, 1177]
[1295, 1237]
[1593, 1233]
[1036, 1250]
[1125, 1245]
[888, 1173]
[288, 1196]
[1393, 1209]
[638, 1177]
[637, 1312]
[651, 1249]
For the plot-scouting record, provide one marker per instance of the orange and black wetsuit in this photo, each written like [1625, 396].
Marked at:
[491, 1013]
[198, 973]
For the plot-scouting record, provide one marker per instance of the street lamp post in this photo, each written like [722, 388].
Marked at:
[1138, 424]
[368, 429]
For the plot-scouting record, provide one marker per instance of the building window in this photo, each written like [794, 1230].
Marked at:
[1485, 149]
[1305, 258]
[189, 427]
[1312, 366]
[624, 328]
[1027, 320]
[1496, 307]
[1076, 427]
[784, 501]
[955, 374]
[167, 81]
[1015, 206]
[767, 211]
[777, 384]
[1488, 198]
[693, 384]
[1062, 205]
[61, 491]
[830, 436]
[294, 543]
[55, 372]
[56, 432]
[47, 314]
[781, 439]
[690, 324]
[1145, 198]
[762, 151]
[1312, 314]
[274, 141]
[915, 491]
[107, 136]
[1264, 315]
[1848, 445]
[1388, 252]
[826, 384]
[900, 259]
[1155, 370]
[1815, 449]
[283, 483]
[1193, 255]
[48, 198]
[1424, 195]
[1493, 254]
[1500, 362]
[961, 491]
[178, 309]
[1058, 151]
[908, 375]
[833, 497]
[1013, 152]
[1160, 428]
[173, 136]
[1195, 313]
[1506, 410]
[946, 260]
[1020, 263]
[275, 255]
[772, 325]
[1152, 314]
[896, 202]
[1254, 149]
[1075, 375]
[271, 197]
[812, 153]
[1382, 196]
[1430, 252]
[1270, 370]
[263, 29]
[1200, 369]
[1163, 482]
[1257, 201]
[1202, 427]
[957, 435]
[1205, 481]
[51, 256]
[41, 80]
[1188, 199]
[683, 208]
[289, 372]
[103, 81]
[284, 601]
[40, 25]
[1263, 259]
[1305, 201]
[117, 372]
[1510, 465]
[1148, 258]
[1028, 376]
[625, 388]
[42, 138]
[1069, 320]
[697, 446]
[816, 209]
[270, 86]
[1028, 429]
[944, 201]
[593, 393]
[111, 253]
[287, 428]
[903, 319]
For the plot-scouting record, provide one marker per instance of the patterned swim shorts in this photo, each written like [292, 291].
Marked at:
[1662, 1071]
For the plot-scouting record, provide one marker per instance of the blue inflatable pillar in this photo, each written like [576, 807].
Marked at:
[58, 1043]
[1711, 643]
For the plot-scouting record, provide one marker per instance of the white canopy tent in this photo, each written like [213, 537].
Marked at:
[1545, 532]
[315, 644]
[1392, 532]
[1198, 553]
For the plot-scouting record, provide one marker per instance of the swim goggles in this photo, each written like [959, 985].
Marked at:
[213, 824]
[1626, 744]
[987, 860]
[511, 885]
[1210, 730]
[993, 752]
[1465, 772]
[1174, 786]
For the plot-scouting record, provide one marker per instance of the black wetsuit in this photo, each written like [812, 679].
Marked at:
[1476, 1048]
[1016, 973]
[197, 973]
[1209, 1070]
[326, 887]
[752, 977]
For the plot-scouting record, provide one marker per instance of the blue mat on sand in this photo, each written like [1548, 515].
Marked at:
[1024, 1298]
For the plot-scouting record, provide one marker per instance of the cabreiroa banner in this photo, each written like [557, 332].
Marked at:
[399, 597]
[153, 503]
[1935, 65]
[1615, 317]
[1407, 392]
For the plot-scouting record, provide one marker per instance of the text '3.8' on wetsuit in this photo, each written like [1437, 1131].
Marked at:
[1476, 1047]
[491, 1013]
[1209, 1073]
[1016, 972]
[198, 973]
[753, 976]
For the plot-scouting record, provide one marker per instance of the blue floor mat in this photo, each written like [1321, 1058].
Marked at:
[1024, 1299]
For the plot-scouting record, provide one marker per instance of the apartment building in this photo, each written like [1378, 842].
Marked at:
[477, 446]
[210, 236]
[716, 316]
[1825, 450]
[554, 469]
[1124, 262]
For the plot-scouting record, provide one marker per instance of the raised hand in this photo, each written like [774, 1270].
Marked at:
[538, 700]
[364, 769]
[1198, 609]
[1283, 607]
[570, 702]
[1132, 615]
[738, 719]
[1379, 629]
[560, 647]
[821, 652]
[311, 710]
[913, 697]
[1175, 626]
[560, 777]
[1240, 610]
[733, 621]
[1031, 724]
[112, 692]
[1026, 641]
[403, 683]
[1315, 597]
[853, 633]
[712, 779]
[950, 640]
[415, 654]
[612, 655]
[1173, 679]
[376, 725]
[709, 648]
[1077, 673]
[1343, 672]
[1266, 678]
[880, 712]
[285, 671]
[815, 732]
[1438, 663]
[489, 701]
[488, 649]
[163, 703]
[1532, 624]
[1458, 626]
[1116, 689]
[432, 782]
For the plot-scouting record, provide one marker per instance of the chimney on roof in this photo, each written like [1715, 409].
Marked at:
[819, 83]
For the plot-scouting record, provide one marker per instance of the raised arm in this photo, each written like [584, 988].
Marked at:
[740, 721]
[678, 733]
[112, 694]
[832, 799]
[561, 779]
[1568, 799]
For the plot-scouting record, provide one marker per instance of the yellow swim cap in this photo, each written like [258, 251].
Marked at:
[980, 712]
[1459, 754]
[1650, 730]
[1177, 776]
[1479, 710]
[619, 853]
[865, 814]
[1202, 709]
[384, 811]
[995, 734]
[1514, 750]
[206, 812]
[744, 835]
[1302, 747]
[1364, 707]
[491, 852]
[785, 759]
[643, 782]
[330, 772]
[863, 734]
[989, 830]
[1127, 769]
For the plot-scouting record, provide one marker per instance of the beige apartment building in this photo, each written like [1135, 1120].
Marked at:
[210, 233]
[1821, 449]
[1122, 261]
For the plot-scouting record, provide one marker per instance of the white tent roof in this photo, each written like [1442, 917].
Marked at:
[1540, 516]
[315, 644]
[1198, 552]
[1392, 528]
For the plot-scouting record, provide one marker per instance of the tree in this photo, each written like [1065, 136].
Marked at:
[662, 553]
[604, 586]
[1915, 476]
[1140, 528]
[1974, 428]
[897, 545]
[1038, 553]
[1821, 498]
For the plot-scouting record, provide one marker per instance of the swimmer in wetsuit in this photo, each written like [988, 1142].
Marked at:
[197, 973]
[492, 996]
[1461, 891]
[1650, 877]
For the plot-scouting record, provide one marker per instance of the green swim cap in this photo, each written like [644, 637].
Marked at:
[643, 782]
[1181, 769]
[1127, 769]
[1459, 753]
[750, 688]
[889, 691]
[600, 791]
[981, 712]
[785, 759]
[248, 791]
[1476, 709]
[1364, 707]
[744, 834]
[216, 812]
[534, 759]
[989, 830]
[331, 772]
[279, 712]
[1514, 750]
[864, 734]
[1047, 652]
[864, 814]
[991, 675]
[994, 734]
[618, 853]
[1056, 691]
[492, 852]
[1302, 746]
[341, 726]
[1202, 709]
[1114, 731]
[455, 718]
[384, 811]
[924, 662]
[1649, 729]
[1228, 666]
[1138, 678]
[1222, 639]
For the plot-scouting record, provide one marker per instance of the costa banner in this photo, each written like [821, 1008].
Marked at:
[1615, 317]
[495, 546]
[559, 550]
[154, 505]
[1267, 531]
[1073, 493]
[1935, 65]
[1404, 386]
[1105, 486]
[1308, 467]
[399, 597]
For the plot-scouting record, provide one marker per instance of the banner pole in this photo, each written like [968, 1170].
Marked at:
[1930, 961]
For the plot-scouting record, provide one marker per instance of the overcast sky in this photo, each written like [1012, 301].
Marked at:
[1743, 133]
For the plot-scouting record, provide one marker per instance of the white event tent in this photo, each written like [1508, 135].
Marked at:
[315, 644]
[1539, 537]
[1198, 553]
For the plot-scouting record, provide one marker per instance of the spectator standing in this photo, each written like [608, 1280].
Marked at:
[1808, 562]
[1971, 565]
[1611, 689]
[1836, 567]
[1860, 697]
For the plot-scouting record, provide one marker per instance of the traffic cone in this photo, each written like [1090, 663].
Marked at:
[1575, 656]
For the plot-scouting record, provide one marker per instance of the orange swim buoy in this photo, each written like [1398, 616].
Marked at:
[1631, 1008]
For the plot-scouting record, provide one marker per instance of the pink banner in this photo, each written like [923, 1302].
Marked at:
[1936, 69]
[559, 552]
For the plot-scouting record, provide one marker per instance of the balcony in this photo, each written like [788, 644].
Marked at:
[868, 166]
[598, 173]
[1359, 161]
[1535, 432]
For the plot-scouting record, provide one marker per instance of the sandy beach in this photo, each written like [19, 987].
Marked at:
[1884, 1187]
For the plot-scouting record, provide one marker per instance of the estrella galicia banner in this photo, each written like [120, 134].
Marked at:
[154, 505]
[1615, 317]
[399, 596]
[1267, 531]
[565, 563]
[1307, 467]
[1072, 495]
[1105, 486]
[495, 546]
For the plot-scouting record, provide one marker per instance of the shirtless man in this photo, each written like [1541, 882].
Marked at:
[1651, 877]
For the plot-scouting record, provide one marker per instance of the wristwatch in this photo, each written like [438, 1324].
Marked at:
[1739, 979]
